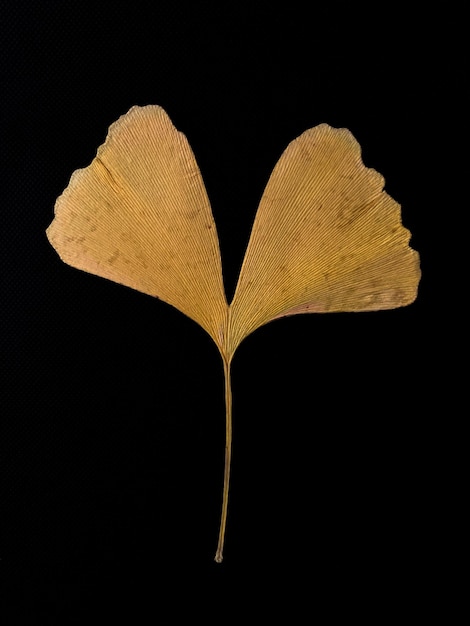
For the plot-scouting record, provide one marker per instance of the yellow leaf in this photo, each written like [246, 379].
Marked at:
[326, 237]
[139, 215]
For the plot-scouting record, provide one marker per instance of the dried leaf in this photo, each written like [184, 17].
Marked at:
[139, 215]
[326, 237]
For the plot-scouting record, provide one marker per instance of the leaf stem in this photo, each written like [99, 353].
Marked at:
[228, 455]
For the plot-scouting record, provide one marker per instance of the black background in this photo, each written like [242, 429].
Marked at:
[112, 414]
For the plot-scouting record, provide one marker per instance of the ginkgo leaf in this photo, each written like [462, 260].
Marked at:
[326, 235]
[326, 238]
[140, 216]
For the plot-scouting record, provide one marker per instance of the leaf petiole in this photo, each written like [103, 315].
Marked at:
[228, 456]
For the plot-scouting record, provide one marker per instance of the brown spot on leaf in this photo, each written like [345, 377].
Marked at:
[115, 255]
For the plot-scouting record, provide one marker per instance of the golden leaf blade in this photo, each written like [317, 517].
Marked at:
[139, 215]
[326, 237]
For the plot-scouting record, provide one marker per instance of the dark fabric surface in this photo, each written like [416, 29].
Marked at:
[111, 405]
